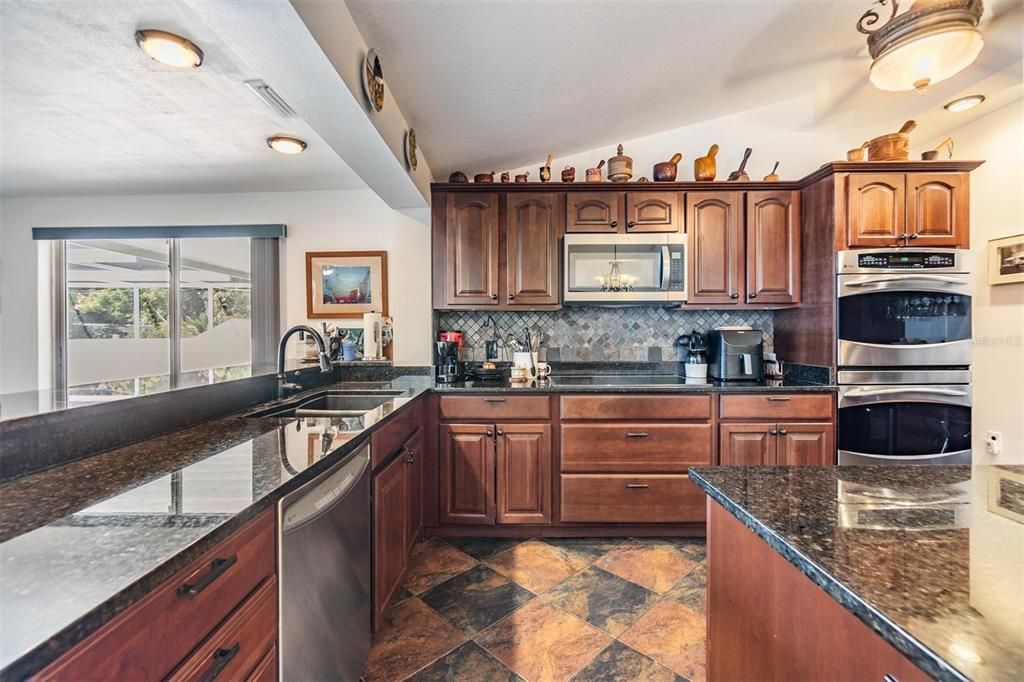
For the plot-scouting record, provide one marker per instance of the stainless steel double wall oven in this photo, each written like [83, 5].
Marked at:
[904, 355]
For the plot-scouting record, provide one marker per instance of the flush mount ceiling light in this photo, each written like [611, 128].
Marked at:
[286, 144]
[170, 49]
[964, 103]
[930, 42]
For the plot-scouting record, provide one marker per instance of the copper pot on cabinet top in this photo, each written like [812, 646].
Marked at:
[484, 177]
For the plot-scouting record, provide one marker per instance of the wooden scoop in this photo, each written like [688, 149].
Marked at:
[551, 157]
[773, 176]
[740, 174]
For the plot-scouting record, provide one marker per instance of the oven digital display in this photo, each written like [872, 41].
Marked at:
[906, 261]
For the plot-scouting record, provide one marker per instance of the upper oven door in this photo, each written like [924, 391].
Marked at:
[624, 268]
[904, 319]
[908, 424]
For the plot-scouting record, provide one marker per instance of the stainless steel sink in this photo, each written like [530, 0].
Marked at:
[328, 404]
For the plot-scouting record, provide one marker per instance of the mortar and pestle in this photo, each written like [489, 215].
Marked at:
[704, 167]
[666, 170]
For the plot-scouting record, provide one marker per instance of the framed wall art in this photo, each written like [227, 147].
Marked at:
[1006, 260]
[346, 283]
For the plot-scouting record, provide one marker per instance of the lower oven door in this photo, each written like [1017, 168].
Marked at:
[919, 424]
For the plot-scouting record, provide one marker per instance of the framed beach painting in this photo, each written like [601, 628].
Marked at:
[346, 283]
[1006, 260]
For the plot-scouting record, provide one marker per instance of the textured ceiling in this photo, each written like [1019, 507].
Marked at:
[498, 84]
[84, 111]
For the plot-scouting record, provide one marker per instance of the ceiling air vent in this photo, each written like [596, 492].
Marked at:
[271, 98]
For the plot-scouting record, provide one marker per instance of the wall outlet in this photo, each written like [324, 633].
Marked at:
[993, 442]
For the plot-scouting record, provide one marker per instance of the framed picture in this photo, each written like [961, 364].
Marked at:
[346, 283]
[1006, 260]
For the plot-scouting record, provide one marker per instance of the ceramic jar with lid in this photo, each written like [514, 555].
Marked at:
[620, 167]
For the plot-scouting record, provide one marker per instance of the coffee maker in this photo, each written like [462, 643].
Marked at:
[736, 354]
[447, 366]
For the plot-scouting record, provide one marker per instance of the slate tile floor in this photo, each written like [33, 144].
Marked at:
[553, 609]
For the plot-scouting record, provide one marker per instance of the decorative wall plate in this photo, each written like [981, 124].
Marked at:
[410, 149]
[373, 80]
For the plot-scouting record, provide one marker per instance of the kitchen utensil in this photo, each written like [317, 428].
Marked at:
[773, 176]
[857, 154]
[523, 177]
[892, 147]
[666, 170]
[484, 177]
[545, 170]
[704, 167]
[569, 174]
[620, 167]
[594, 174]
[458, 177]
[505, 176]
[934, 153]
[740, 174]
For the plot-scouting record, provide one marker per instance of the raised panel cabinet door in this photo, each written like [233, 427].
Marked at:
[594, 212]
[938, 209]
[806, 444]
[413, 456]
[876, 209]
[467, 473]
[390, 526]
[533, 226]
[746, 444]
[715, 246]
[524, 473]
[773, 247]
[653, 212]
[471, 255]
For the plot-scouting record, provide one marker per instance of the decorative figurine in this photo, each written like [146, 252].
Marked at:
[594, 174]
[666, 170]
[773, 176]
[545, 170]
[457, 177]
[620, 167]
[643, 178]
[704, 167]
[740, 174]
[505, 176]
[569, 174]
[484, 177]
[523, 177]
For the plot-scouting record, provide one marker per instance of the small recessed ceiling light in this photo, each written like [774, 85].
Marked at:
[964, 103]
[170, 49]
[286, 144]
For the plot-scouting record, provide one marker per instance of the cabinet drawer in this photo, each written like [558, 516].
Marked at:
[635, 448]
[266, 669]
[777, 406]
[238, 646]
[652, 498]
[392, 437]
[492, 407]
[154, 635]
[636, 407]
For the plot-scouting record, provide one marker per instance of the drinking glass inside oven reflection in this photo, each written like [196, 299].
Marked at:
[901, 318]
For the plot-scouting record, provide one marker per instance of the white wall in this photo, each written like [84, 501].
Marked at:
[341, 220]
[997, 210]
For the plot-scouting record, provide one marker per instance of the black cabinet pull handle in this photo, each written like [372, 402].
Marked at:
[734, 295]
[511, 297]
[499, 432]
[637, 434]
[889, 678]
[410, 456]
[494, 297]
[631, 224]
[779, 398]
[614, 223]
[753, 295]
[636, 485]
[494, 400]
[774, 432]
[914, 236]
[489, 432]
[217, 568]
[221, 658]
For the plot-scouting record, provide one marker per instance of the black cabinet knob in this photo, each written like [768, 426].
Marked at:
[511, 297]
[630, 224]
[614, 223]
[753, 295]
[734, 295]
[494, 297]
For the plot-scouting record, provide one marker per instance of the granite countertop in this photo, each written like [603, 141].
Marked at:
[633, 383]
[931, 558]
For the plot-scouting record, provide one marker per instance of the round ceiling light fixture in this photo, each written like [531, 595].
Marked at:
[964, 103]
[286, 144]
[169, 48]
[930, 42]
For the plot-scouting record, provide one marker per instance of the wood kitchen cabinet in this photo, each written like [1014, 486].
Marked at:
[654, 212]
[907, 209]
[471, 255]
[623, 212]
[594, 211]
[390, 534]
[532, 228]
[773, 247]
[746, 445]
[467, 473]
[768, 444]
[414, 456]
[523, 474]
[715, 244]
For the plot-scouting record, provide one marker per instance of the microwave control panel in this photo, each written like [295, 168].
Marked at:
[906, 260]
[676, 274]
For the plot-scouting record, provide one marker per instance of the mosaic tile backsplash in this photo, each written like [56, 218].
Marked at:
[588, 333]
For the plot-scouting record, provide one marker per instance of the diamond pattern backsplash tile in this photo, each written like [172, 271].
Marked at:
[587, 333]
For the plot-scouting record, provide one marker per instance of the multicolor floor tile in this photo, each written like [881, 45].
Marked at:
[673, 635]
[655, 566]
[589, 549]
[411, 637]
[602, 599]
[469, 663]
[691, 591]
[433, 562]
[476, 599]
[619, 663]
[542, 642]
[536, 565]
[482, 549]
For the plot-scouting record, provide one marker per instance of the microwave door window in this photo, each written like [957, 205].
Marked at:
[595, 268]
[641, 266]
[589, 267]
[905, 318]
[904, 429]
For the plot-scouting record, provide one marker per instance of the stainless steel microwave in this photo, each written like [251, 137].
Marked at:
[625, 269]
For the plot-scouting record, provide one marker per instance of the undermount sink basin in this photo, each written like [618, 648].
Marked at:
[329, 404]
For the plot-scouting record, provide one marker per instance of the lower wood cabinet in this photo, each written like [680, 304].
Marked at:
[627, 498]
[467, 473]
[777, 444]
[523, 474]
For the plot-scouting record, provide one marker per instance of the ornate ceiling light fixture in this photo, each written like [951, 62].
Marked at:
[930, 42]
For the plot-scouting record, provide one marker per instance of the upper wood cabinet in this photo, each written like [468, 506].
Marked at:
[594, 211]
[467, 473]
[715, 238]
[773, 247]
[523, 473]
[654, 212]
[907, 209]
[471, 254]
[532, 229]
[938, 209]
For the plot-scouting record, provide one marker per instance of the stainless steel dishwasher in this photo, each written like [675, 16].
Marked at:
[324, 568]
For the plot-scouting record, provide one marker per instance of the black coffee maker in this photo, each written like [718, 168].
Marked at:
[447, 366]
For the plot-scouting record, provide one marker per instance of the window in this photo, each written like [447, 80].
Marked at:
[143, 315]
